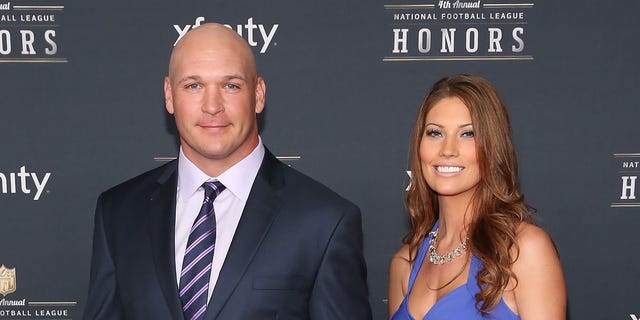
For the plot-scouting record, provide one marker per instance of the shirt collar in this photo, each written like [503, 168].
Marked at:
[238, 179]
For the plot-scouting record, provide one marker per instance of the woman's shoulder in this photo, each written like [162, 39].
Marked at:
[399, 271]
[540, 291]
[402, 258]
[533, 242]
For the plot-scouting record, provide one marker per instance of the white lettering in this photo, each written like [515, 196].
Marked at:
[5, 302]
[267, 37]
[414, 16]
[448, 37]
[628, 184]
[409, 186]
[28, 38]
[250, 28]
[198, 22]
[5, 42]
[469, 42]
[517, 32]
[444, 4]
[52, 313]
[27, 42]
[37, 17]
[48, 36]
[400, 40]
[495, 35]
[472, 47]
[181, 32]
[9, 183]
[424, 46]
[465, 5]
[23, 180]
[40, 184]
[13, 183]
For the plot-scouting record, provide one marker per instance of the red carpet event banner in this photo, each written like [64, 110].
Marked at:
[83, 110]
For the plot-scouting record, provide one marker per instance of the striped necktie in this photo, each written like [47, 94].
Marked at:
[196, 266]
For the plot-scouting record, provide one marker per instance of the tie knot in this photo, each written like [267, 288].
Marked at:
[212, 189]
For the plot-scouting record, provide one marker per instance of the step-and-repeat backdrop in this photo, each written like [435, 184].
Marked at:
[82, 109]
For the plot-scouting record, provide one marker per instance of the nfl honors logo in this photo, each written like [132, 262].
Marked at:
[7, 280]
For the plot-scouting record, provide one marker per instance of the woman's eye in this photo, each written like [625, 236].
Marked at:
[468, 133]
[433, 133]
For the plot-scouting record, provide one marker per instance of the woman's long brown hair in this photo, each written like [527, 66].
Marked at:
[498, 205]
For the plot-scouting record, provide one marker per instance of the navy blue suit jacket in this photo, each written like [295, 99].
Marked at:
[296, 254]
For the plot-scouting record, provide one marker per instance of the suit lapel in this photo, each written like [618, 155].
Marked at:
[258, 214]
[161, 224]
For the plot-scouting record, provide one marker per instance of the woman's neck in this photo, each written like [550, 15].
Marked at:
[454, 215]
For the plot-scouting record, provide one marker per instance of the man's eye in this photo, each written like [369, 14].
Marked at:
[232, 86]
[192, 86]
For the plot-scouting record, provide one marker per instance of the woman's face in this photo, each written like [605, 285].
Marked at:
[448, 150]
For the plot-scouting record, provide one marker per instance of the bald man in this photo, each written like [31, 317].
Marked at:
[226, 231]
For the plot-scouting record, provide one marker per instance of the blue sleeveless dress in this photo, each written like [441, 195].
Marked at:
[460, 303]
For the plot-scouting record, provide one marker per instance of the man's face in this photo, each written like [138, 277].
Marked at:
[214, 93]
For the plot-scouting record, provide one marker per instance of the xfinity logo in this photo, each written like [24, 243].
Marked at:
[23, 181]
[634, 317]
[255, 34]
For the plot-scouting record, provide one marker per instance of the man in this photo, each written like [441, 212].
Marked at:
[282, 245]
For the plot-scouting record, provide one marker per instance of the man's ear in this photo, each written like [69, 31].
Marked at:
[168, 99]
[261, 90]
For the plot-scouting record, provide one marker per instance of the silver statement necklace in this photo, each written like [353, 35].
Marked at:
[435, 258]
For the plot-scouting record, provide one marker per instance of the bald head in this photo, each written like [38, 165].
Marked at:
[215, 39]
[214, 94]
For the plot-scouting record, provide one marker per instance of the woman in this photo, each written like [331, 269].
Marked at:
[472, 251]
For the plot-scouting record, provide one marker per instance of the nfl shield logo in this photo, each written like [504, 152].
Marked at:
[7, 280]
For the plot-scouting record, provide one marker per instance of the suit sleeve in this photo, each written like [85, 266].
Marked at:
[103, 301]
[340, 289]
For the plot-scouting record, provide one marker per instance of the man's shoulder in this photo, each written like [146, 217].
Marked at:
[311, 190]
[145, 181]
[308, 204]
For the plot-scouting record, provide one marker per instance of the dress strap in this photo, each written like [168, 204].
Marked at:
[475, 267]
[417, 263]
